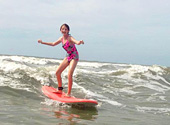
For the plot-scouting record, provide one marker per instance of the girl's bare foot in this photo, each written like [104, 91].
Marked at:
[67, 95]
[58, 91]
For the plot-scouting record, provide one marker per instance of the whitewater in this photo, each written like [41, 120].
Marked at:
[128, 94]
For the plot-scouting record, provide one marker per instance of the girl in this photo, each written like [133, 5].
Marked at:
[71, 59]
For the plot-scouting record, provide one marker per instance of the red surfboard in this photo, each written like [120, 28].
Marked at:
[50, 92]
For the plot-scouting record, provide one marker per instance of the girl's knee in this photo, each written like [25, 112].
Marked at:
[58, 73]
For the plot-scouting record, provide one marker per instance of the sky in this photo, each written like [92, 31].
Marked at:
[118, 31]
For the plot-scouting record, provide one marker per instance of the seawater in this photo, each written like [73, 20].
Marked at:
[127, 94]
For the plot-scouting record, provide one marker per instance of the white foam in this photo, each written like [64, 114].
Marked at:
[111, 102]
[30, 60]
[99, 97]
[90, 64]
[128, 91]
[154, 110]
[138, 69]
[155, 97]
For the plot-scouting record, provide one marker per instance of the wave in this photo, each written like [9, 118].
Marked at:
[109, 83]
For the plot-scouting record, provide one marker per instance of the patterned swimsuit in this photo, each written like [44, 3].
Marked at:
[71, 50]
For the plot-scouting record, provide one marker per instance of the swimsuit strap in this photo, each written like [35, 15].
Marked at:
[65, 42]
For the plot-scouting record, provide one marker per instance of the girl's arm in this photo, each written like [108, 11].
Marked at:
[51, 43]
[75, 41]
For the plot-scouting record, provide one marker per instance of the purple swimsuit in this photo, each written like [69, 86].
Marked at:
[71, 50]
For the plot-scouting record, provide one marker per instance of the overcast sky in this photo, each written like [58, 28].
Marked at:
[120, 31]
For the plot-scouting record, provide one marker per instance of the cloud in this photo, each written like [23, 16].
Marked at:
[109, 18]
[40, 13]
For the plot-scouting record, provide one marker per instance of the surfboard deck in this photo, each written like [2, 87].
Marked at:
[51, 93]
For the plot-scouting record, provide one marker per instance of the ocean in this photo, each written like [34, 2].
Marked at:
[127, 94]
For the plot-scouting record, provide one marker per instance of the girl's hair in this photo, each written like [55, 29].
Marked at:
[65, 26]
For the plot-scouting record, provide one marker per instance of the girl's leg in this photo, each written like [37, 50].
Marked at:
[60, 69]
[72, 67]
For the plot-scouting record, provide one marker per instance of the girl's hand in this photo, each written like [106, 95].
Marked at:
[39, 41]
[81, 42]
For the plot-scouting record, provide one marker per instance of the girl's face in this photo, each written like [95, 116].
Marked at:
[64, 30]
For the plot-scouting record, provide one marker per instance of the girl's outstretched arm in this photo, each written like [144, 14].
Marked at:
[75, 41]
[51, 43]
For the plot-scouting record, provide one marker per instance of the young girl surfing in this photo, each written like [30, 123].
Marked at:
[71, 59]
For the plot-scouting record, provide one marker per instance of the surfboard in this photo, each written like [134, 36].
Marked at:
[51, 93]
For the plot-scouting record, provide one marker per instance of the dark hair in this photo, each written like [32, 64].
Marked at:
[65, 26]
